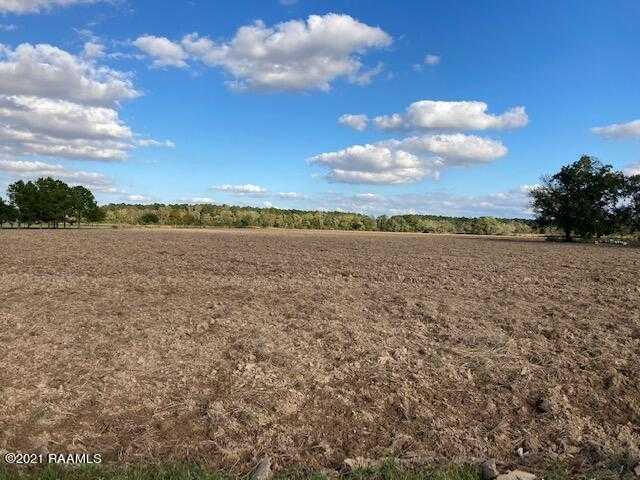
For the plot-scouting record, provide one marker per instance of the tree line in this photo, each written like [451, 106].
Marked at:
[50, 202]
[247, 217]
[586, 199]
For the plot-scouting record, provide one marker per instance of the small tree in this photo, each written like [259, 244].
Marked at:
[582, 198]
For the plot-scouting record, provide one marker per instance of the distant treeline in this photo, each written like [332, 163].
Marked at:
[245, 217]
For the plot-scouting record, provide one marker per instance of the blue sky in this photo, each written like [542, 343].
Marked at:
[194, 101]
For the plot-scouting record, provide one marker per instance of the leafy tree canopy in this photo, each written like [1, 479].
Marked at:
[51, 201]
[586, 198]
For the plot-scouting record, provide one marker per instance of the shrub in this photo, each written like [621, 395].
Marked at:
[149, 219]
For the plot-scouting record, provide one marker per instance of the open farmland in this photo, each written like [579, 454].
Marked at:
[223, 346]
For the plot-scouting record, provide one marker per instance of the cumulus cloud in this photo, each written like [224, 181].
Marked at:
[57, 104]
[245, 189]
[8, 27]
[47, 71]
[444, 115]
[431, 59]
[36, 6]
[41, 126]
[619, 130]
[407, 160]
[163, 51]
[357, 122]
[295, 55]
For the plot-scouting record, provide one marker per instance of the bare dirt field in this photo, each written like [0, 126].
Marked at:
[223, 346]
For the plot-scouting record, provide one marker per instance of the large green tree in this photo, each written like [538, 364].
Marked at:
[583, 199]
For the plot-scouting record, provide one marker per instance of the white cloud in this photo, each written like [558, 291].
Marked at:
[137, 198]
[47, 71]
[245, 189]
[20, 169]
[407, 160]
[389, 122]
[365, 77]
[443, 115]
[56, 104]
[35, 6]
[378, 163]
[289, 195]
[164, 52]
[295, 55]
[287, 3]
[196, 200]
[619, 130]
[431, 59]
[357, 122]
[42, 126]
[149, 142]
[8, 27]
[93, 50]
[454, 149]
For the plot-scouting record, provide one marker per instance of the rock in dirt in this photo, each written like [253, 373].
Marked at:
[636, 470]
[516, 475]
[263, 470]
[489, 470]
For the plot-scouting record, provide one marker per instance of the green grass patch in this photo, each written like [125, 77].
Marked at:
[194, 472]
[180, 471]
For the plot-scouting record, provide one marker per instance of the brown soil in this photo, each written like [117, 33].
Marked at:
[222, 346]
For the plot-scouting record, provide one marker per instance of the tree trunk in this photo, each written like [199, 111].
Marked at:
[567, 235]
